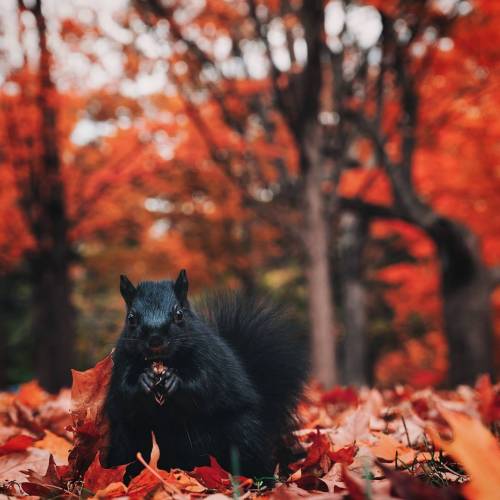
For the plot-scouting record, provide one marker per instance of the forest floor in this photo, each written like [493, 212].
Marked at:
[376, 444]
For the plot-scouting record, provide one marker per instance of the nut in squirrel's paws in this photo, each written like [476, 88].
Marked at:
[159, 370]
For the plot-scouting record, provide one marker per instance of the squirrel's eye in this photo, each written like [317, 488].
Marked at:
[132, 319]
[178, 315]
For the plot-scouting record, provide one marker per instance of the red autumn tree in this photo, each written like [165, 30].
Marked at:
[350, 97]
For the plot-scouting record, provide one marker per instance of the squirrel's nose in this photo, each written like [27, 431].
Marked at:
[155, 341]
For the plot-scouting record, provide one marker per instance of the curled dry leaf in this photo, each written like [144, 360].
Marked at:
[152, 479]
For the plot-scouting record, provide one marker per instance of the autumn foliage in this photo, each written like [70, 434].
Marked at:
[155, 137]
[397, 443]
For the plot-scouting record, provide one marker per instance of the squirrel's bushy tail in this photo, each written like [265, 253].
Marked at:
[271, 346]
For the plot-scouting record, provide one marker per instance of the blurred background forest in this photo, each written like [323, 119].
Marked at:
[342, 156]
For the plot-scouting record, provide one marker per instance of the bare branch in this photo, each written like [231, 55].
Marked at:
[371, 210]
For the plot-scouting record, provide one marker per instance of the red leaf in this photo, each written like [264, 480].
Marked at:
[317, 453]
[488, 400]
[344, 455]
[213, 476]
[344, 395]
[16, 444]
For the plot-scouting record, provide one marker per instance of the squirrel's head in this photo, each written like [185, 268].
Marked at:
[157, 317]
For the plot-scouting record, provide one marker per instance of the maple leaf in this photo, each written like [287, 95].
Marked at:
[90, 425]
[319, 461]
[49, 485]
[477, 450]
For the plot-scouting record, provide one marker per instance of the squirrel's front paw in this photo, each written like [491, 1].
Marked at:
[147, 381]
[171, 382]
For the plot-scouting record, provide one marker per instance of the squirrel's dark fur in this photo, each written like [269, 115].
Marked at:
[235, 370]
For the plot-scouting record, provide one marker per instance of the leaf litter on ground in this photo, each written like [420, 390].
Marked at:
[366, 443]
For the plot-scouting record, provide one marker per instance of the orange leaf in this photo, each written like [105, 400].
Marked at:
[32, 395]
[90, 425]
[387, 447]
[58, 446]
[97, 477]
[477, 450]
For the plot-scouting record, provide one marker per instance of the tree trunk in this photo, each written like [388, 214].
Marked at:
[320, 294]
[466, 289]
[53, 325]
[465, 286]
[53, 322]
[353, 230]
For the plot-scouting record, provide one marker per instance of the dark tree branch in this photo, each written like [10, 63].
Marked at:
[370, 210]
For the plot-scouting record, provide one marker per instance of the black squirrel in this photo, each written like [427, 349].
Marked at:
[220, 380]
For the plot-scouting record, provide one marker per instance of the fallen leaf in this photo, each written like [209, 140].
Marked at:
[477, 450]
[12, 464]
[343, 395]
[48, 485]
[32, 395]
[214, 477]
[488, 400]
[409, 487]
[16, 444]
[90, 425]
[151, 478]
[355, 428]
[97, 477]
[112, 490]
[59, 447]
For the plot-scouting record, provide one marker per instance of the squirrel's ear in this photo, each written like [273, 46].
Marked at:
[181, 286]
[127, 290]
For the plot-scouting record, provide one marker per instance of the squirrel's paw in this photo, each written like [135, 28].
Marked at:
[147, 381]
[171, 382]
